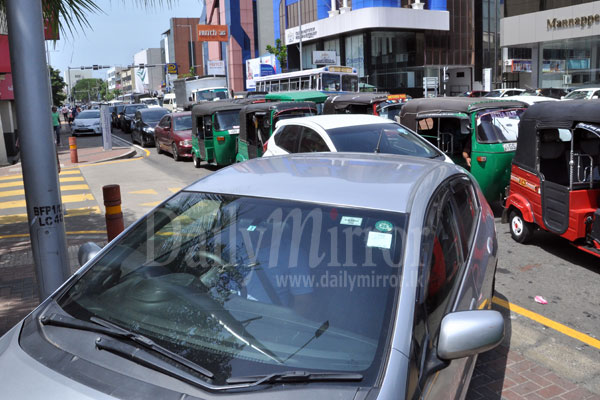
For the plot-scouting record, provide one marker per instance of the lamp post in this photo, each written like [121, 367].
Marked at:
[191, 44]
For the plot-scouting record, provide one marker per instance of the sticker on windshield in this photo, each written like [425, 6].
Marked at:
[384, 226]
[251, 228]
[510, 146]
[378, 239]
[353, 221]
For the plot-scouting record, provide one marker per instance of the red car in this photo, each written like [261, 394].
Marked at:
[173, 134]
[474, 93]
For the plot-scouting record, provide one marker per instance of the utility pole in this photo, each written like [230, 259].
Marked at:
[300, 28]
[38, 152]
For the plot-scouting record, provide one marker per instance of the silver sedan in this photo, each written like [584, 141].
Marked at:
[344, 275]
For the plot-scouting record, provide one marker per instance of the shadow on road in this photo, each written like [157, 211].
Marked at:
[490, 369]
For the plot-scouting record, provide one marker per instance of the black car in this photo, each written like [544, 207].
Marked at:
[126, 116]
[144, 122]
[115, 114]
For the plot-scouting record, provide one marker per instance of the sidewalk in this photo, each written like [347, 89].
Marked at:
[89, 150]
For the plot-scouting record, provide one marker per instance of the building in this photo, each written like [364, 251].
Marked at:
[394, 44]
[551, 44]
[127, 81]
[74, 75]
[8, 117]
[148, 80]
[239, 17]
[113, 78]
[176, 45]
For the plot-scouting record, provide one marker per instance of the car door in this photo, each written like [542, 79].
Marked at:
[287, 140]
[311, 141]
[444, 286]
[160, 132]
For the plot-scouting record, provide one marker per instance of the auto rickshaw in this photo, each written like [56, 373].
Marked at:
[555, 178]
[257, 122]
[215, 127]
[303, 95]
[482, 132]
[354, 103]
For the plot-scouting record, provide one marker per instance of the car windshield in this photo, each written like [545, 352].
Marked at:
[331, 82]
[154, 115]
[391, 111]
[350, 83]
[212, 94]
[89, 114]
[120, 108]
[494, 93]
[578, 95]
[132, 109]
[183, 123]
[391, 138]
[150, 101]
[250, 286]
[226, 120]
[498, 126]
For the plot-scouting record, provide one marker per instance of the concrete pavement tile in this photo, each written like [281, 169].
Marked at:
[551, 391]
[566, 361]
[534, 396]
[522, 336]
[510, 395]
[526, 388]
[540, 380]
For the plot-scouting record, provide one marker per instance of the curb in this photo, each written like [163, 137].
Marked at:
[132, 152]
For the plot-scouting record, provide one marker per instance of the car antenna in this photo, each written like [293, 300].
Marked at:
[379, 141]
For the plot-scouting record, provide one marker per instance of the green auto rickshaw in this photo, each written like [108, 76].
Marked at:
[215, 127]
[303, 95]
[482, 132]
[257, 123]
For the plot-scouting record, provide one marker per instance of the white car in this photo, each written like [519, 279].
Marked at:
[583, 94]
[348, 133]
[87, 122]
[151, 102]
[529, 100]
[505, 92]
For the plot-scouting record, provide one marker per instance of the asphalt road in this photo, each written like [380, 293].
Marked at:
[549, 267]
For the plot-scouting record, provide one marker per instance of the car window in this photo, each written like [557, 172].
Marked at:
[165, 122]
[467, 210]
[288, 138]
[311, 141]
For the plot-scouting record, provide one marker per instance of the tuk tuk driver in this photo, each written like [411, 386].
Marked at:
[466, 153]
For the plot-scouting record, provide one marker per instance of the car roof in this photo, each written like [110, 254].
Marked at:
[181, 113]
[332, 121]
[375, 181]
[586, 89]
[152, 110]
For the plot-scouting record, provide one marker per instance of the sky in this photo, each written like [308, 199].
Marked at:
[116, 34]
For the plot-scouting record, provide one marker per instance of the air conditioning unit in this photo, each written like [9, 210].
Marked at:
[567, 79]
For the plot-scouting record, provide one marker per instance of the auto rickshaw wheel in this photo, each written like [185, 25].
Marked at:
[520, 230]
[196, 160]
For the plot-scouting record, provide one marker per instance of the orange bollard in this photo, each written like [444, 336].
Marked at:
[114, 216]
[73, 148]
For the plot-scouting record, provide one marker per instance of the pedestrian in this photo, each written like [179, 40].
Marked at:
[56, 124]
[65, 112]
[74, 113]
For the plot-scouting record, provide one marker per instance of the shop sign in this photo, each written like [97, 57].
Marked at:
[309, 31]
[171, 68]
[215, 67]
[258, 67]
[212, 33]
[324, 57]
[578, 22]
[6, 87]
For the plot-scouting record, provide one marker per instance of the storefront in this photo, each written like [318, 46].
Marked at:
[556, 48]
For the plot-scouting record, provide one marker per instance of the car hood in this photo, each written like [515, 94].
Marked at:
[86, 121]
[183, 135]
[24, 378]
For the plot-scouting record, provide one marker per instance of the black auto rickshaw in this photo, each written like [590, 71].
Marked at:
[215, 127]
[555, 176]
[354, 103]
[257, 122]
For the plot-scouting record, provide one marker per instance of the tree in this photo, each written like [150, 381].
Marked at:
[280, 52]
[58, 85]
[87, 90]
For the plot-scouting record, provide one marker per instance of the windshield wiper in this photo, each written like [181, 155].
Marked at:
[378, 142]
[296, 377]
[109, 329]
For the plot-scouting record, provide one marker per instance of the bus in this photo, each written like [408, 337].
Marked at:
[329, 80]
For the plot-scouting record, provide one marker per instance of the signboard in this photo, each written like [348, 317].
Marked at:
[50, 30]
[257, 67]
[4, 54]
[549, 66]
[324, 57]
[6, 87]
[215, 67]
[487, 79]
[309, 31]
[105, 117]
[171, 68]
[430, 82]
[212, 33]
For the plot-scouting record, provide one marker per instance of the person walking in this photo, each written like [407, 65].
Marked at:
[65, 112]
[74, 112]
[56, 124]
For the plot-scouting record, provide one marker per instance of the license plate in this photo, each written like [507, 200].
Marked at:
[510, 146]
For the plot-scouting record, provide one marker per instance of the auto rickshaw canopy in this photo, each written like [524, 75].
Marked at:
[551, 115]
[209, 108]
[303, 95]
[353, 103]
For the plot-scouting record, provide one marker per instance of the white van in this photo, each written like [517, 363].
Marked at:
[169, 102]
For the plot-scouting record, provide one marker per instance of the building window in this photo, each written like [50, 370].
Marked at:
[355, 56]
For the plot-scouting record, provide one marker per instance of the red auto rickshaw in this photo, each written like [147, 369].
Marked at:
[555, 178]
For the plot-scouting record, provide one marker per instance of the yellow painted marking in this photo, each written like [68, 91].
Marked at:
[65, 188]
[71, 172]
[113, 209]
[74, 212]
[482, 305]
[151, 204]
[61, 180]
[145, 191]
[174, 190]
[71, 198]
[557, 326]
[11, 177]
[23, 235]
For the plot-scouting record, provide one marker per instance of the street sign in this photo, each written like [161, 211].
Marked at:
[212, 33]
[430, 82]
[171, 68]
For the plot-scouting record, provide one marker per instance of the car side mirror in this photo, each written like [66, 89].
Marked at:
[467, 333]
[87, 251]
[594, 97]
